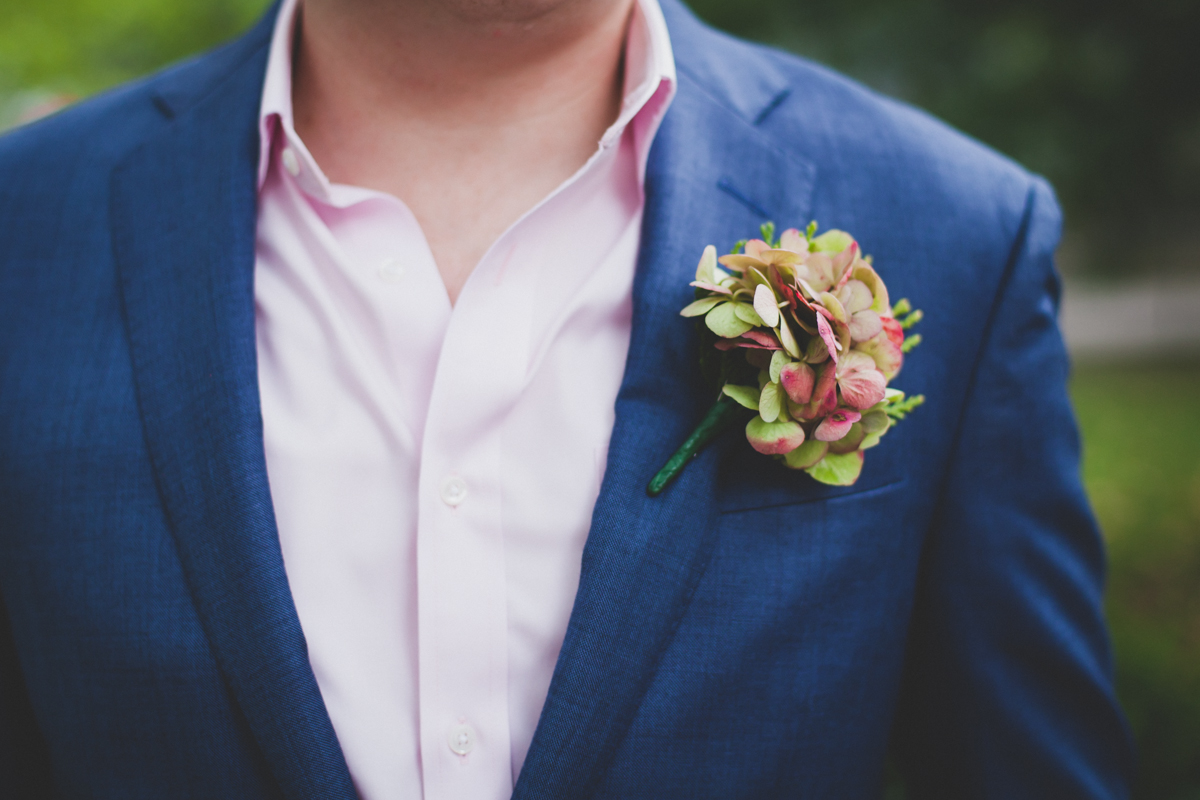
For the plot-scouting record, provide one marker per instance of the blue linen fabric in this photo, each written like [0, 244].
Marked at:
[748, 634]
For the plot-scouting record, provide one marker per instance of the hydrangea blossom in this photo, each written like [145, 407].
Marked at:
[820, 340]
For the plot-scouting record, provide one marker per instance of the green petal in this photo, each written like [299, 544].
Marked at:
[701, 306]
[806, 454]
[768, 402]
[724, 321]
[832, 242]
[838, 470]
[830, 301]
[779, 360]
[816, 352]
[744, 395]
[747, 314]
[865, 273]
[787, 339]
[876, 421]
[765, 305]
[708, 262]
[850, 442]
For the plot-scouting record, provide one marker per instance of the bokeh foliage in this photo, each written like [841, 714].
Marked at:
[81, 46]
[1143, 477]
[1102, 96]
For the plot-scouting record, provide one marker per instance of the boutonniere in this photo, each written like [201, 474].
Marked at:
[800, 331]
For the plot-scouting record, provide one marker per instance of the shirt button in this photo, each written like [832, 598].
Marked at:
[454, 490]
[461, 739]
[391, 271]
[290, 162]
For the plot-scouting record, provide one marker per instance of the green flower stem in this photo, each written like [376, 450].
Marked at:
[720, 417]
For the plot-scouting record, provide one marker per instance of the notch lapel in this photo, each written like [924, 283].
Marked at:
[183, 214]
[713, 178]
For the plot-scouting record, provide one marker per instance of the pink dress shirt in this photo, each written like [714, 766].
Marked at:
[433, 468]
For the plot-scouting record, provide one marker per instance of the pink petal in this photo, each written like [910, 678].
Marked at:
[863, 388]
[855, 296]
[734, 344]
[798, 379]
[781, 257]
[739, 263]
[824, 396]
[767, 340]
[808, 289]
[751, 340]
[853, 361]
[820, 271]
[793, 240]
[894, 331]
[846, 415]
[864, 325]
[826, 334]
[755, 247]
[842, 262]
[712, 287]
[885, 349]
[836, 425]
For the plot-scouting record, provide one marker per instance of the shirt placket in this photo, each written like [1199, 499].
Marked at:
[461, 581]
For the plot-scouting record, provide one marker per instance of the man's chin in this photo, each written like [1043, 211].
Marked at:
[513, 12]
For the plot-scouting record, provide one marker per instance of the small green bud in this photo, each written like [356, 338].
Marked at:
[912, 319]
[768, 233]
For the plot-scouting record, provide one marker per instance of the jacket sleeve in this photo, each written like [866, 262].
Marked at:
[24, 762]
[1008, 689]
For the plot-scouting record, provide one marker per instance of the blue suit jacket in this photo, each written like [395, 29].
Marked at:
[748, 634]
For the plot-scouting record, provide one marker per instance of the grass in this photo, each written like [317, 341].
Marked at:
[1141, 430]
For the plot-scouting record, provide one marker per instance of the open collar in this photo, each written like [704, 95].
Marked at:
[183, 219]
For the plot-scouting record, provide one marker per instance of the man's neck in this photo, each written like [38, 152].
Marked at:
[470, 111]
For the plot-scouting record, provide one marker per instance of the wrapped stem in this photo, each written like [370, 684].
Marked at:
[724, 413]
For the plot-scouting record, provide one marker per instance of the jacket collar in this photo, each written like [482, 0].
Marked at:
[183, 218]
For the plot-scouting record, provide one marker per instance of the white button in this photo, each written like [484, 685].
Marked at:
[290, 162]
[454, 490]
[391, 271]
[461, 739]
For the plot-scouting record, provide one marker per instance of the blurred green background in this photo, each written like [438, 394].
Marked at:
[1103, 97]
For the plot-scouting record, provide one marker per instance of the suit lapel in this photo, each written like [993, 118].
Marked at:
[713, 178]
[183, 210]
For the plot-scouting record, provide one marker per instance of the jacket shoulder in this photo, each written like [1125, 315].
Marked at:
[862, 142]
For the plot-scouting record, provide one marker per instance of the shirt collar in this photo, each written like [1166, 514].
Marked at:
[649, 83]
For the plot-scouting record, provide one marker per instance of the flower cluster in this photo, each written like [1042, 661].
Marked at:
[812, 316]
